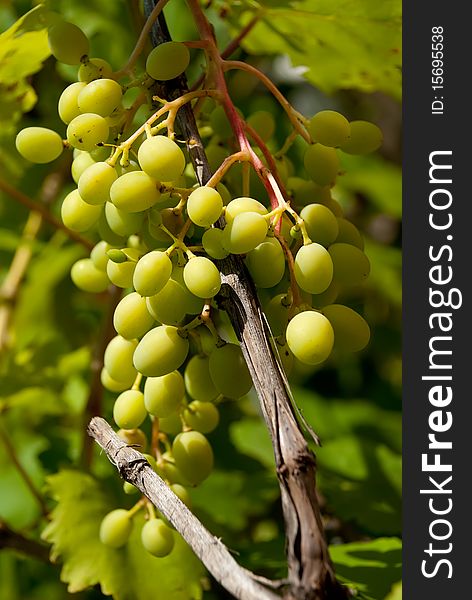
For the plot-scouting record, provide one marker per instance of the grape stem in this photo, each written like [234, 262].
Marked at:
[291, 269]
[225, 165]
[172, 108]
[294, 116]
[155, 449]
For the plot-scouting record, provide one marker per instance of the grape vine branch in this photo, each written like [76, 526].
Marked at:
[310, 571]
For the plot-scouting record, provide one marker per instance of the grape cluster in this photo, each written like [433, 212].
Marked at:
[159, 235]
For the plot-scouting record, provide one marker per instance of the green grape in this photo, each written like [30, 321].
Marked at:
[174, 301]
[121, 274]
[129, 489]
[349, 234]
[161, 351]
[193, 456]
[351, 265]
[243, 205]
[86, 131]
[123, 223]
[169, 305]
[246, 231]
[115, 528]
[313, 268]
[67, 106]
[321, 164]
[171, 425]
[212, 241]
[163, 395]
[168, 470]
[308, 192]
[198, 381]
[151, 460]
[131, 166]
[365, 138]
[132, 319]
[152, 273]
[167, 61]
[216, 154]
[201, 416]
[266, 263]
[263, 122]
[220, 124]
[100, 97]
[321, 224]
[77, 214]
[229, 372]
[182, 493]
[329, 128]
[118, 359]
[95, 183]
[94, 68]
[204, 206]
[161, 158]
[193, 304]
[134, 192]
[276, 312]
[202, 277]
[107, 234]
[111, 384]
[351, 332]
[327, 297]
[80, 163]
[157, 538]
[334, 207]
[87, 277]
[39, 144]
[129, 410]
[310, 337]
[134, 437]
[67, 42]
[171, 221]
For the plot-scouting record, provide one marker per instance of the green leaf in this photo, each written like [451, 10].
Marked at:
[23, 49]
[231, 498]
[18, 506]
[251, 438]
[332, 418]
[129, 573]
[375, 178]
[370, 567]
[343, 43]
[396, 593]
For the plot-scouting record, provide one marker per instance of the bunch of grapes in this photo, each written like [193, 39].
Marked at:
[160, 236]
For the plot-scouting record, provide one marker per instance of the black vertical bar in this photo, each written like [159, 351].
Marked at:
[437, 260]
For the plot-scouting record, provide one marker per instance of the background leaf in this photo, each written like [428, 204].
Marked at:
[128, 573]
[343, 43]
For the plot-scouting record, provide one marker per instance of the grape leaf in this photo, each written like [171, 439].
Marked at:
[370, 567]
[23, 48]
[231, 498]
[17, 504]
[343, 43]
[129, 573]
[396, 592]
[380, 181]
